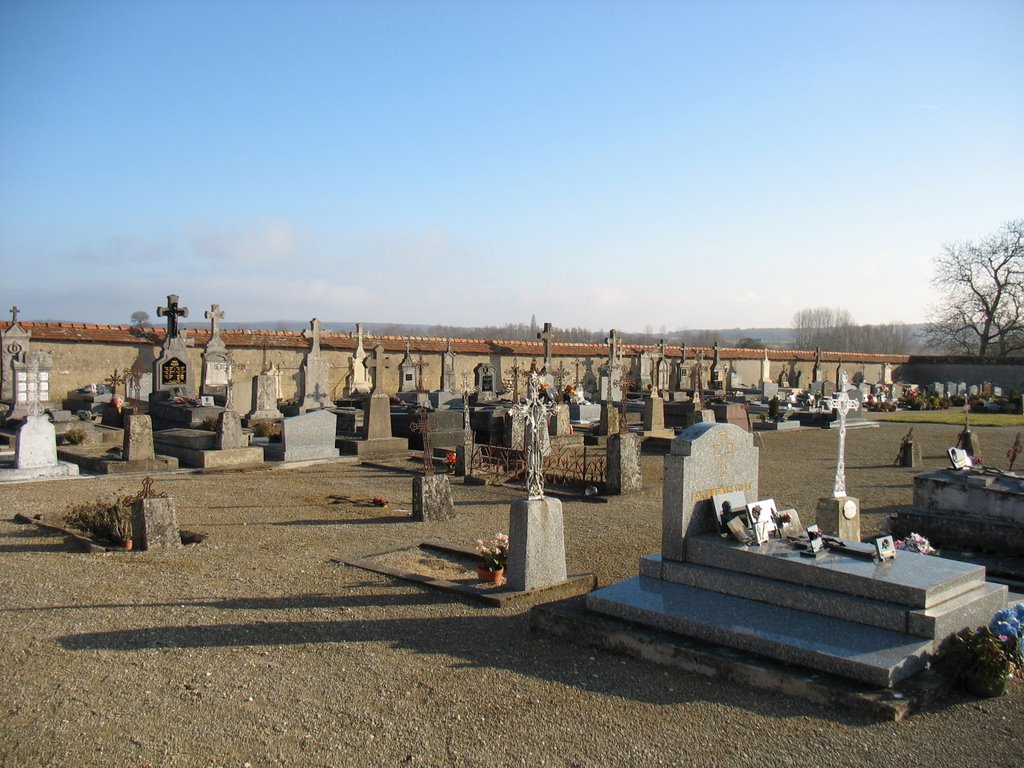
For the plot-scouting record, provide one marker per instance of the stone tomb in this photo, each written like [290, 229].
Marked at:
[35, 453]
[875, 622]
[963, 508]
[137, 452]
[377, 439]
[227, 447]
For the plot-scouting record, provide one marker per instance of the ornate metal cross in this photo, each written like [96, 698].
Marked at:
[842, 404]
[172, 312]
[423, 427]
[114, 379]
[419, 365]
[536, 413]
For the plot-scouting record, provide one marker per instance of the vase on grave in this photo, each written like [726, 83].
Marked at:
[491, 577]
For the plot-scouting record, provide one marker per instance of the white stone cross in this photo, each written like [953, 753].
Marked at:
[214, 315]
[536, 413]
[377, 365]
[842, 404]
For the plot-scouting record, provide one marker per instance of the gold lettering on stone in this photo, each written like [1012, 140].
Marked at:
[173, 372]
[707, 493]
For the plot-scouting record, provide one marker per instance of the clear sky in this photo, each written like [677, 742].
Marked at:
[626, 164]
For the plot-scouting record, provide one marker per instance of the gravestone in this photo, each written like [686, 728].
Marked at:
[432, 498]
[264, 399]
[448, 369]
[622, 454]
[216, 361]
[407, 373]
[560, 423]
[308, 436]
[951, 389]
[377, 439]
[548, 337]
[31, 383]
[611, 372]
[358, 377]
[172, 373]
[138, 439]
[14, 343]
[705, 459]
[486, 378]
[229, 432]
[769, 390]
[316, 373]
[155, 524]
[35, 450]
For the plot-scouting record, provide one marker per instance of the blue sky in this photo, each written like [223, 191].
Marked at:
[663, 164]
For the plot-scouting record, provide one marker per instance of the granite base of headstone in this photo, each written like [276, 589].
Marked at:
[307, 437]
[560, 424]
[623, 464]
[229, 432]
[608, 424]
[582, 413]
[432, 498]
[536, 551]
[155, 524]
[35, 453]
[138, 439]
[910, 455]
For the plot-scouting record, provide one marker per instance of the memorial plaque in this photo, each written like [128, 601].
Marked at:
[173, 372]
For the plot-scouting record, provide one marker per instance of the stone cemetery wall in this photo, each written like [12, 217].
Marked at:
[88, 354]
[1005, 372]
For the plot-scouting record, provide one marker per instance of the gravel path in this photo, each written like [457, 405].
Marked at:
[256, 648]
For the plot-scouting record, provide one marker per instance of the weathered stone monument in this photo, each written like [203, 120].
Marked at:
[611, 371]
[536, 553]
[431, 492]
[307, 437]
[216, 361]
[172, 374]
[377, 439]
[486, 376]
[264, 395]
[358, 377]
[35, 452]
[316, 373]
[154, 521]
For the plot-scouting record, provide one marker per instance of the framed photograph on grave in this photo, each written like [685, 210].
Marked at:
[206, 400]
[959, 458]
[736, 501]
[885, 548]
[761, 518]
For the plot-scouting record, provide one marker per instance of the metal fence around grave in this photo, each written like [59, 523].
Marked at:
[569, 466]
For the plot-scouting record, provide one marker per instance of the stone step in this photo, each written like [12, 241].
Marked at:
[910, 579]
[971, 608]
[874, 656]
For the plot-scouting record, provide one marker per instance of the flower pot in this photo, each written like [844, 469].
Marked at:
[127, 544]
[492, 577]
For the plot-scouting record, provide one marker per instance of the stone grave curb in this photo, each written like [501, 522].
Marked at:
[87, 545]
[570, 620]
[501, 597]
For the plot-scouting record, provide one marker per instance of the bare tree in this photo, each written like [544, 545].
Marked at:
[982, 288]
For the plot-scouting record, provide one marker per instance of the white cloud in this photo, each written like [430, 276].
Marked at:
[270, 240]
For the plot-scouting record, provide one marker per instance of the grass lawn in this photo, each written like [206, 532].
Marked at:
[952, 416]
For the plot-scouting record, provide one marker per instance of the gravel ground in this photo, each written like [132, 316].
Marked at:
[255, 648]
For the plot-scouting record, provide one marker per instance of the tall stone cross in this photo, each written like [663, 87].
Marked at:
[35, 407]
[172, 312]
[214, 315]
[613, 348]
[842, 404]
[314, 334]
[14, 314]
[548, 336]
[376, 366]
[420, 366]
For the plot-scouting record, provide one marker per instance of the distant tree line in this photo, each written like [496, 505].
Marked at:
[836, 331]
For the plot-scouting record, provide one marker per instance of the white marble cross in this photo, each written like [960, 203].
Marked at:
[314, 334]
[842, 404]
[214, 315]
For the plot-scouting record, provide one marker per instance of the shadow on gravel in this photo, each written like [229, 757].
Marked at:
[29, 542]
[509, 646]
[350, 521]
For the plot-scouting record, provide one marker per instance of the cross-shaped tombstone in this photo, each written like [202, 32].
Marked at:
[172, 312]
[314, 334]
[14, 314]
[35, 407]
[515, 370]
[613, 348]
[548, 336]
[560, 373]
[214, 315]
[376, 366]
[113, 380]
[842, 404]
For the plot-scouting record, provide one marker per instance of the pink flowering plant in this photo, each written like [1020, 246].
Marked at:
[915, 542]
[493, 553]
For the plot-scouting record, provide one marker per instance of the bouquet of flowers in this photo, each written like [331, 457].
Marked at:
[915, 542]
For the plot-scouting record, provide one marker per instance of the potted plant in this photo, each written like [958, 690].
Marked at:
[493, 558]
[450, 460]
[981, 661]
